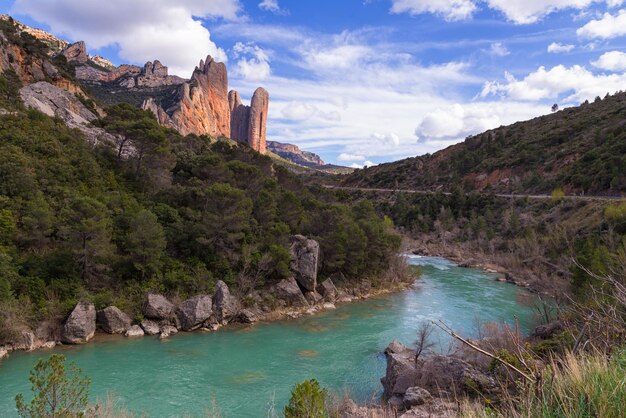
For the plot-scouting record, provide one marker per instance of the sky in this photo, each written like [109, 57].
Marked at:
[361, 82]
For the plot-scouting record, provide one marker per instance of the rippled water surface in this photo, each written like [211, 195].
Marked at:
[244, 370]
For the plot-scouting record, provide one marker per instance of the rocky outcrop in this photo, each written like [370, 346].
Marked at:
[328, 290]
[158, 307]
[415, 396]
[294, 154]
[304, 261]
[548, 331]
[168, 331]
[289, 291]
[80, 326]
[225, 305]
[113, 321]
[239, 117]
[150, 327]
[246, 316]
[193, 312]
[249, 123]
[134, 331]
[76, 53]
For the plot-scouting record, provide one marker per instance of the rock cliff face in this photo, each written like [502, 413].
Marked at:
[203, 106]
[76, 53]
[293, 153]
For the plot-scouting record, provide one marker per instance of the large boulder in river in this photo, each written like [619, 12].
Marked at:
[193, 312]
[225, 305]
[401, 372]
[113, 321]
[150, 327]
[304, 261]
[134, 331]
[80, 326]
[289, 291]
[157, 307]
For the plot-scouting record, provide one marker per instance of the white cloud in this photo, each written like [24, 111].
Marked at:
[253, 62]
[143, 30]
[350, 157]
[557, 48]
[365, 164]
[607, 27]
[390, 139]
[298, 110]
[272, 6]
[451, 10]
[576, 82]
[498, 49]
[611, 61]
[530, 11]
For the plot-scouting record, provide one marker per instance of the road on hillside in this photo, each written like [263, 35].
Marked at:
[507, 196]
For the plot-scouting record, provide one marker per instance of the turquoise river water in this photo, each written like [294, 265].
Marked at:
[246, 370]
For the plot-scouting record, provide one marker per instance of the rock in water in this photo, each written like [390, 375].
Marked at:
[225, 305]
[304, 261]
[134, 331]
[113, 321]
[455, 375]
[289, 291]
[150, 327]
[167, 332]
[80, 326]
[193, 312]
[157, 307]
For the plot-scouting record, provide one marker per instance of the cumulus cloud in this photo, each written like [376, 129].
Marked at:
[253, 62]
[297, 110]
[557, 48]
[390, 139]
[458, 121]
[498, 49]
[272, 6]
[365, 164]
[451, 10]
[143, 30]
[611, 61]
[350, 157]
[609, 26]
[576, 81]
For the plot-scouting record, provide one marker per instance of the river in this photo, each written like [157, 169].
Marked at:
[244, 370]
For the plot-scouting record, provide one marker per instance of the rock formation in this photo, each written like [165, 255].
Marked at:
[80, 326]
[193, 312]
[113, 321]
[157, 307]
[224, 304]
[249, 123]
[304, 261]
[295, 154]
[76, 53]
[134, 331]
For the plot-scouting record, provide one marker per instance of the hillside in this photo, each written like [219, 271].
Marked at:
[581, 150]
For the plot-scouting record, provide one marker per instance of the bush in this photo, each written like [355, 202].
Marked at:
[308, 400]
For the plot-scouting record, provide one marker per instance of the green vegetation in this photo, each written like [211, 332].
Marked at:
[582, 148]
[57, 393]
[308, 400]
[159, 213]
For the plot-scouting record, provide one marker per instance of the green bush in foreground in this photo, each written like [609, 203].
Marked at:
[308, 400]
[58, 394]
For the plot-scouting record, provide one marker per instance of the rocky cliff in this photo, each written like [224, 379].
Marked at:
[203, 106]
[293, 153]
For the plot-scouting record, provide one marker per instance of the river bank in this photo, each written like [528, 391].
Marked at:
[341, 348]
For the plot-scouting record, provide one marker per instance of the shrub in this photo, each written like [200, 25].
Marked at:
[308, 400]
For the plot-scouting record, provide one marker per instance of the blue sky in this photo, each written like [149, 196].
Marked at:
[362, 82]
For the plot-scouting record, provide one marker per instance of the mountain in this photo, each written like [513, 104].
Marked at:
[581, 150]
[295, 154]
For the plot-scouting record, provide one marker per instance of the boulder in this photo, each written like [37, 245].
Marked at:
[4, 353]
[313, 298]
[548, 331]
[401, 371]
[328, 290]
[304, 261]
[113, 321]
[134, 331]
[395, 347]
[246, 316]
[193, 312]
[288, 291]
[157, 307]
[80, 326]
[150, 327]
[225, 305]
[168, 331]
[415, 396]
[26, 341]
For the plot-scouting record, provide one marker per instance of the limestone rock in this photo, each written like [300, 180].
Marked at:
[257, 126]
[328, 290]
[401, 372]
[293, 153]
[225, 305]
[246, 316]
[313, 297]
[193, 312]
[455, 375]
[150, 327]
[289, 291]
[167, 332]
[547, 331]
[416, 396]
[4, 353]
[395, 347]
[80, 326]
[157, 307]
[239, 117]
[26, 341]
[76, 53]
[134, 331]
[113, 321]
[304, 261]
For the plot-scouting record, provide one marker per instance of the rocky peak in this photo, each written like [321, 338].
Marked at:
[295, 154]
[248, 123]
[76, 53]
[154, 69]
